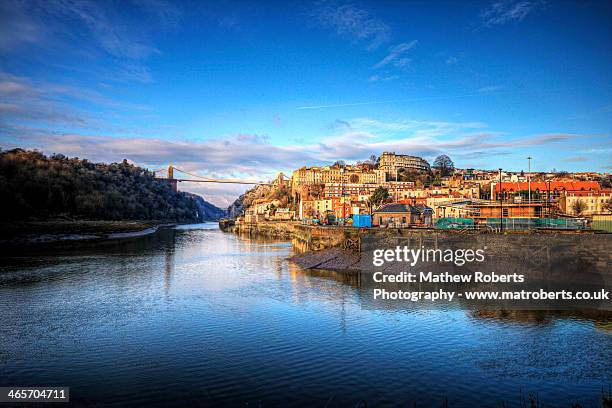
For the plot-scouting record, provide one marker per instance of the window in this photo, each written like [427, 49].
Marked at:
[505, 212]
[403, 220]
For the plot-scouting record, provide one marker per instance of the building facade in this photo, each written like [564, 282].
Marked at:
[391, 162]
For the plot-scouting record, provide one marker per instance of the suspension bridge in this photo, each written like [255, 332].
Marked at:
[168, 175]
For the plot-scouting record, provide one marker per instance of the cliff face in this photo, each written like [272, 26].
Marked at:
[206, 210]
[245, 200]
[236, 208]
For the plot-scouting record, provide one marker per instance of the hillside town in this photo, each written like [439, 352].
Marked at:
[403, 191]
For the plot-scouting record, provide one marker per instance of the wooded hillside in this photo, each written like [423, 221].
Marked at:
[34, 186]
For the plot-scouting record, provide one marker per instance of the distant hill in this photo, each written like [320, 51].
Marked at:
[36, 187]
[207, 211]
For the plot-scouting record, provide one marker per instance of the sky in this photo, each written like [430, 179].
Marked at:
[247, 89]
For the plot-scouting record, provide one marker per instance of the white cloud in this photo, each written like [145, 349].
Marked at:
[352, 22]
[383, 78]
[504, 11]
[252, 157]
[40, 102]
[451, 60]
[490, 88]
[395, 53]
[102, 31]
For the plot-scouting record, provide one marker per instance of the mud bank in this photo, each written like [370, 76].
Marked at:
[335, 259]
[25, 234]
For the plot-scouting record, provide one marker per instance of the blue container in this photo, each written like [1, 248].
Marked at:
[362, 221]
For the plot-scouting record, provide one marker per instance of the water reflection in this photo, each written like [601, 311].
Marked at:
[193, 316]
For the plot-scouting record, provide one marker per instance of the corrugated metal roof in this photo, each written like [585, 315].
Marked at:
[403, 208]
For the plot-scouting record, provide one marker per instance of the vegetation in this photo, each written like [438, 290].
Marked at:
[379, 196]
[34, 186]
[419, 178]
[280, 192]
[578, 207]
[444, 165]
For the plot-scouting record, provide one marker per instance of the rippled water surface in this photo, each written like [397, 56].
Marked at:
[195, 316]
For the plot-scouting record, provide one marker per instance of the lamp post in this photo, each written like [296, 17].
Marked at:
[548, 206]
[529, 178]
[501, 203]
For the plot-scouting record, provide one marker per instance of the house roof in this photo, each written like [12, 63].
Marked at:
[543, 186]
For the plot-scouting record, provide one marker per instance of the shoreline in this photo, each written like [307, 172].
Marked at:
[61, 231]
[332, 259]
[339, 248]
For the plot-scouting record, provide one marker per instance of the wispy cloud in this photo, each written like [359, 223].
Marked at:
[419, 99]
[490, 88]
[353, 22]
[24, 99]
[100, 29]
[252, 156]
[383, 78]
[340, 124]
[416, 128]
[452, 60]
[575, 159]
[395, 54]
[504, 11]
[16, 27]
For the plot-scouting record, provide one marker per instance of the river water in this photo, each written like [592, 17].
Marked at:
[193, 316]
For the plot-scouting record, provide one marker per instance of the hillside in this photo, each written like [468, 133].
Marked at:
[206, 210]
[36, 187]
[277, 192]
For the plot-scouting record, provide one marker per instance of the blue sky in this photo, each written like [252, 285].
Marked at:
[239, 89]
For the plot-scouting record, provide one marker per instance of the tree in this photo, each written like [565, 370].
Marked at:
[316, 190]
[340, 163]
[379, 196]
[578, 207]
[419, 178]
[607, 206]
[272, 209]
[437, 181]
[444, 165]
[34, 186]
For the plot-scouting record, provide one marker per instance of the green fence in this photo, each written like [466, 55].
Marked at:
[602, 225]
[538, 223]
[454, 223]
[514, 224]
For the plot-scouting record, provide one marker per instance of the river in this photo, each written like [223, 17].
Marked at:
[193, 316]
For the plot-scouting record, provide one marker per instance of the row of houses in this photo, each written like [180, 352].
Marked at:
[344, 190]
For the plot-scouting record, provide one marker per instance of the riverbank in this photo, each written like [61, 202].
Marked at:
[339, 248]
[333, 259]
[56, 231]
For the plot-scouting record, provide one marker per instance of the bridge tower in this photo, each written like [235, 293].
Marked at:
[171, 180]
